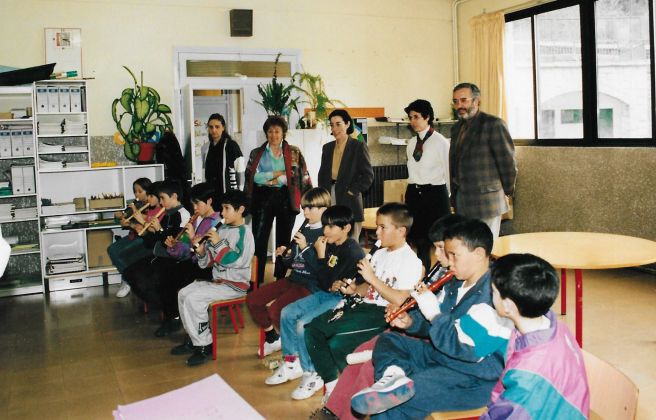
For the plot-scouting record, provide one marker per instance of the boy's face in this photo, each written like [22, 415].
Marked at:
[231, 215]
[202, 208]
[463, 262]
[440, 253]
[390, 236]
[335, 234]
[153, 200]
[168, 201]
[313, 214]
[139, 193]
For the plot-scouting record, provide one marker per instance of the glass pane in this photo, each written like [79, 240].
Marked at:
[558, 46]
[623, 72]
[215, 68]
[518, 68]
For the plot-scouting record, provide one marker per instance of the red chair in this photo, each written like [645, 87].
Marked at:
[233, 307]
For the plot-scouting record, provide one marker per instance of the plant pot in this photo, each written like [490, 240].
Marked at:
[146, 152]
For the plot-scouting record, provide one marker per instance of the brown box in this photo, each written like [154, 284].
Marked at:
[106, 203]
[6, 116]
[394, 190]
[97, 243]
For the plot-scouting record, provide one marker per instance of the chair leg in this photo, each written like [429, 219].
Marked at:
[214, 316]
[241, 318]
[261, 353]
[232, 318]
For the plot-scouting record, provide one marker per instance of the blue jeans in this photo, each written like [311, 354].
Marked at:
[293, 319]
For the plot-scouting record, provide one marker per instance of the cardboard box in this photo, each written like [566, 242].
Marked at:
[97, 243]
[394, 190]
[6, 116]
[106, 203]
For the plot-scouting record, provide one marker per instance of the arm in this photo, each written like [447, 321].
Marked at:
[365, 175]
[503, 152]
[347, 258]
[392, 295]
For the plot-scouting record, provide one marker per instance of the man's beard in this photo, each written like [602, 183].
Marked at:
[470, 113]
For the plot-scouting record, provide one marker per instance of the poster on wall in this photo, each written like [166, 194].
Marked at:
[64, 47]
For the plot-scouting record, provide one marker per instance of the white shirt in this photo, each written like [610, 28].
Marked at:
[399, 269]
[433, 167]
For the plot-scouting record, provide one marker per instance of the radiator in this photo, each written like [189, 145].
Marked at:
[374, 196]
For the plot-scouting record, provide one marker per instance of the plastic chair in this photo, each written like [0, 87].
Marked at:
[612, 394]
[233, 307]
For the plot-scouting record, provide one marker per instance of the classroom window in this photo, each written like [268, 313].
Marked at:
[580, 72]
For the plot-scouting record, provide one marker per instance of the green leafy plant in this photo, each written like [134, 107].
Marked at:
[313, 88]
[276, 97]
[141, 117]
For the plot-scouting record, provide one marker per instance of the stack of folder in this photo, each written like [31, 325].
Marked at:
[44, 128]
[65, 263]
[74, 127]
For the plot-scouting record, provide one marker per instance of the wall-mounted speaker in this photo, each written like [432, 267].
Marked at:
[241, 22]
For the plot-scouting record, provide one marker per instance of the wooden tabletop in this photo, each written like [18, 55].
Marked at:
[583, 250]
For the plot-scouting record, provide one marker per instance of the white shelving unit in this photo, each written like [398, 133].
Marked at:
[17, 148]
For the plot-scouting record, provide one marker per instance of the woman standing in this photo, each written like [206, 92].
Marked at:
[427, 196]
[345, 168]
[276, 178]
[224, 162]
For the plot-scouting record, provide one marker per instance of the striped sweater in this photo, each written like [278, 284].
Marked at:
[230, 258]
[544, 377]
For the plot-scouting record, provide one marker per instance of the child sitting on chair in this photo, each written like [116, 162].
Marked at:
[544, 376]
[229, 252]
[266, 303]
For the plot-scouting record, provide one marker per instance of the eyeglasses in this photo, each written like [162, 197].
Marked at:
[461, 101]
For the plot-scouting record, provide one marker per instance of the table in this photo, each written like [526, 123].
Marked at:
[579, 251]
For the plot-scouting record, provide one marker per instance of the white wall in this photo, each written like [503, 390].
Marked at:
[369, 52]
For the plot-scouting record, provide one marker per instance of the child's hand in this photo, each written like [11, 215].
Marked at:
[337, 285]
[213, 236]
[119, 215]
[320, 246]
[421, 287]
[189, 227]
[348, 287]
[280, 250]
[366, 270]
[133, 207]
[200, 250]
[299, 238]
[428, 304]
[154, 224]
[169, 241]
[125, 223]
[403, 321]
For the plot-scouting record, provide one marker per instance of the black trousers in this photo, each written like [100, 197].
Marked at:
[427, 203]
[269, 203]
[174, 275]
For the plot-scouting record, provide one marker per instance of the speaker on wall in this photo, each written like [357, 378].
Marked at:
[241, 22]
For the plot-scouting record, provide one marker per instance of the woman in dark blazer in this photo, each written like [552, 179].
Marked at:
[345, 167]
[222, 157]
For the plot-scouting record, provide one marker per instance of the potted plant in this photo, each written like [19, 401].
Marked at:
[313, 88]
[276, 97]
[141, 120]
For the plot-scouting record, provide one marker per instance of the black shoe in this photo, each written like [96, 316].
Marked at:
[200, 356]
[168, 326]
[185, 348]
[323, 414]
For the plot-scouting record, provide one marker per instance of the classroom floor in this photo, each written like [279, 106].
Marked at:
[82, 352]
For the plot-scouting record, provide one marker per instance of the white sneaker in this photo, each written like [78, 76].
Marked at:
[124, 290]
[392, 389]
[271, 347]
[310, 383]
[285, 372]
[359, 357]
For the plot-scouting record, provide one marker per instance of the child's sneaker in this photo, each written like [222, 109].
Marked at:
[310, 383]
[392, 389]
[359, 357]
[285, 372]
[271, 347]
[124, 290]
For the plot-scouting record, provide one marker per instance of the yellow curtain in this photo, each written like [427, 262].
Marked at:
[488, 31]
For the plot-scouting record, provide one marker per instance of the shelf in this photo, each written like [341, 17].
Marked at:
[108, 269]
[55, 136]
[25, 251]
[51, 231]
[24, 121]
[16, 157]
[62, 153]
[16, 90]
[82, 212]
[27, 289]
[17, 195]
[54, 171]
[31, 219]
[61, 113]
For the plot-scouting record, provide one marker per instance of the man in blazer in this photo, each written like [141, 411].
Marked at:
[481, 160]
[355, 173]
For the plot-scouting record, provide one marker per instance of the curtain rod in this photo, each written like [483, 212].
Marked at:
[517, 7]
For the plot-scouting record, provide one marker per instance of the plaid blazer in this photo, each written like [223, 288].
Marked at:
[483, 168]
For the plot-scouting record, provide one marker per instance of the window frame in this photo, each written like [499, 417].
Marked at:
[588, 79]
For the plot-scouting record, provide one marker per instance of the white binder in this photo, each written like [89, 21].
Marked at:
[5, 143]
[17, 180]
[53, 99]
[64, 99]
[28, 142]
[16, 143]
[29, 185]
[76, 99]
[42, 99]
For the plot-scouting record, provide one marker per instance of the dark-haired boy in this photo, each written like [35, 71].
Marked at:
[178, 266]
[229, 252]
[459, 365]
[390, 276]
[544, 377]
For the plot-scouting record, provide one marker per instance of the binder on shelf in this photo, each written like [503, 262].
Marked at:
[28, 142]
[64, 99]
[17, 185]
[16, 143]
[76, 99]
[42, 99]
[53, 99]
[5, 143]
[29, 184]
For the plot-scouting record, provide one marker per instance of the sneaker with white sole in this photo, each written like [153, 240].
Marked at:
[310, 383]
[359, 357]
[271, 347]
[124, 290]
[286, 372]
[393, 389]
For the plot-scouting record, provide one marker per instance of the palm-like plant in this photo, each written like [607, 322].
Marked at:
[313, 88]
[276, 97]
